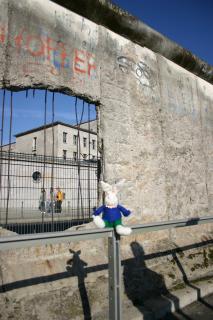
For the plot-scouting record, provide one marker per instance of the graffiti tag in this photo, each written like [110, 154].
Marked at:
[55, 55]
[141, 71]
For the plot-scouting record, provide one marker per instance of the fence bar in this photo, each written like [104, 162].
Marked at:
[40, 239]
[29, 240]
[148, 227]
[115, 310]
[114, 278]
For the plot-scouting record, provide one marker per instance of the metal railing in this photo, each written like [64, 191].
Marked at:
[57, 149]
[114, 266]
[24, 212]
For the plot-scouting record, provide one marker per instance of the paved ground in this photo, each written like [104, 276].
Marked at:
[201, 310]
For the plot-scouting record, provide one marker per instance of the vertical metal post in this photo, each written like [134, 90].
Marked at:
[22, 209]
[114, 278]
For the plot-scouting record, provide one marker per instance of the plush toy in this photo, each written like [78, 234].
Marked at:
[112, 211]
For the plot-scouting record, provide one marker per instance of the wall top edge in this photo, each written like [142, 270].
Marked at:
[104, 13]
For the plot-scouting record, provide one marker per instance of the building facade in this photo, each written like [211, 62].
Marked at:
[49, 157]
[59, 140]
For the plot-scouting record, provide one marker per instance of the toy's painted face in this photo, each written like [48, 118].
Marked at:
[111, 199]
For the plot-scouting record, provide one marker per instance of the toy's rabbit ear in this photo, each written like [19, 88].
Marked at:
[106, 186]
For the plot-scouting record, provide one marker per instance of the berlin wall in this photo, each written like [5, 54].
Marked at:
[155, 117]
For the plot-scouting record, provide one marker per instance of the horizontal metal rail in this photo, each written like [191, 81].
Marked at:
[39, 239]
[180, 223]
[28, 157]
[114, 267]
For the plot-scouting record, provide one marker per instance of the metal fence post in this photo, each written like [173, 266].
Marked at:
[22, 209]
[114, 277]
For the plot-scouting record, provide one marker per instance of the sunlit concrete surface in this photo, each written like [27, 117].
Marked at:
[202, 309]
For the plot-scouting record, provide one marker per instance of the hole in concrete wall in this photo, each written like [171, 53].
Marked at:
[54, 135]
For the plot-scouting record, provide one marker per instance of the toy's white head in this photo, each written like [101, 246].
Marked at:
[111, 199]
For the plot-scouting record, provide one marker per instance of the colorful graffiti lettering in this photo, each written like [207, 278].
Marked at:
[35, 46]
[55, 54]
[84, 62]
[2, 34]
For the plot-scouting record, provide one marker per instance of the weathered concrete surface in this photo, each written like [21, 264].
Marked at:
[105, 13]
[70, 281]
[153, 115]
[3, 37]
[156, 122]
[200, 309]
[48, 46]
[138, 154]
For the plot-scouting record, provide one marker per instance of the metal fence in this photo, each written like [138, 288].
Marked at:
[48, 154]
[114, 256]
[28, 204]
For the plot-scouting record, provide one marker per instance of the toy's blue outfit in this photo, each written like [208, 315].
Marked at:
[112, 215]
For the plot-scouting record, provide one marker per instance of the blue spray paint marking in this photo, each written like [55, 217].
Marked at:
[57, 60]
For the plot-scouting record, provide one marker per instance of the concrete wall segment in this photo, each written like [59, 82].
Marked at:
[204, 91]
[151, 112]
[3, 37]
[130, 120]
[52, 47]
[185, 162]
[105, 13]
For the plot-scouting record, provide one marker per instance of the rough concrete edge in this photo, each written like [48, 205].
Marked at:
[185, 296]
[158, 308]
[105, 13]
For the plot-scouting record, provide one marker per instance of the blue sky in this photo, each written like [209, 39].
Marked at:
[187, 22]
[28, 112]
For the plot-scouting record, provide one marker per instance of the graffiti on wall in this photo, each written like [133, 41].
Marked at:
[142, 72]
[54, 55]
[2, 34]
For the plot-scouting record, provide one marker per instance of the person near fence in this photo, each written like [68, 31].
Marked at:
[42, 201]
[59, 199]
[51, 201]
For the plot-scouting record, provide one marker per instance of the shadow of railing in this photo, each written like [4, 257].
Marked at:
[151, 283]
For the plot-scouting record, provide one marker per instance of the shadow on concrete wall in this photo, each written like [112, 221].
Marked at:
[76, 267]
[140, 282]
[188, 283]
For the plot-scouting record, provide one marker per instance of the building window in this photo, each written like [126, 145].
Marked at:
[64, 137]
[36, 176]
[93, 144]
[75, 155]
[75, 139]
[64, 154]
[93, 157]
[84, 142]
[34, 146]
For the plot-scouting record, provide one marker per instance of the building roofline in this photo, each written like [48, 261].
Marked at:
[7, 144]
[49, 125]
[88, 121]
[105, 13]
